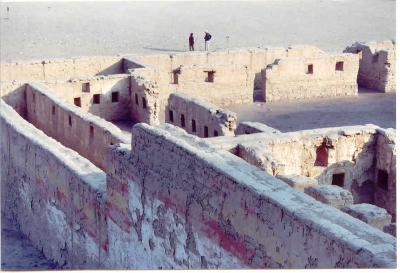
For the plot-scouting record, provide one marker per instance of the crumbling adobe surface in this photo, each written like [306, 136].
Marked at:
[370, 214]
[332, 195]
[377, 64]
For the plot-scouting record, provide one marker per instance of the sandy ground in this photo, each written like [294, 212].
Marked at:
[37, 30]
[48, 30]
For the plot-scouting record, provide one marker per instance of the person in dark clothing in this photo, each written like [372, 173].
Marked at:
[191, 42]
[207, 39]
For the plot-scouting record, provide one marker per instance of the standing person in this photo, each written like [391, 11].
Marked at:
[191, 42]
[207, 39]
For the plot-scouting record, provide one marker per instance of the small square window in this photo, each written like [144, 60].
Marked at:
[339, 66]
[210, 76]
[338, 179]
[310, 69]
[96, 99]
[77, 101]
[86, 87]
[114, 96]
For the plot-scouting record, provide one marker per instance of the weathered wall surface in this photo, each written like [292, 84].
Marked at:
[199, 117]
[310, 77]
[113, 94]
[249, 127]
[54, 194]
[377, 65]
[173, 205]
[57, 69]
[13, 93]
[87, 134]
[385, 175]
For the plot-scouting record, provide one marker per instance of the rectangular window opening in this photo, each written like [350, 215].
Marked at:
[339, 66]
[310, 69]
[175, 76]
[91, 131]
[193, 125]
[205, 131]
[171, 116]
[86, 87]
[338, 179]
[53, 110]
[77, 101]
[183, 120]
[69, 120]
[215, 133]
[96, 99]
[136, 99]
[383, 180]
[114, 96]
[210, 76]
[144, 103]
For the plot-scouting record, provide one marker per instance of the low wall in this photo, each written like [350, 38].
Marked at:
[249, 127]
[172, 204]
[199, 117]
[377, 65]
[55, 195]
[57, 69]
[112, 92]
[13, 93]
[87, 134]
[300, 78]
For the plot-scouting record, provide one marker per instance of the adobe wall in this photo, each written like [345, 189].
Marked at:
[13, 93]
[377, 65]
[199, 117]
[83, 132]
[105, 86]
[249, 127]
[174, 202]
[291, 78]
[385, 195]
[57, 69]
[55, 195]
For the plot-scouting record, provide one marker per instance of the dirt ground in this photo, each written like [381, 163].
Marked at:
[49, 30]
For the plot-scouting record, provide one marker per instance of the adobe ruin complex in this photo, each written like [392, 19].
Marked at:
[189, 186]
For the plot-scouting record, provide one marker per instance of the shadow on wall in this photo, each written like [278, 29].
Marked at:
[163, 49]
[116, 68]
[17, 100]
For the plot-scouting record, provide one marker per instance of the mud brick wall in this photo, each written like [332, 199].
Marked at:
[113, 94]
[57, 69]
[385, 190]
[13, 93]
[195, 115]
[377, 65]
[87, 134]
[55, 195]
[310, 77]
[172, 204]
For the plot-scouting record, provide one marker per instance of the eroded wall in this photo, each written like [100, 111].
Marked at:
[173, 204]
[55, 195]
[310, 77]
[199, 117]
[377, 65]
[87, 134]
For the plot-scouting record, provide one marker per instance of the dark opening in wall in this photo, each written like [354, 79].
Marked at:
[310, 69]
[322, 154]
[86, 87]
[77, 101]
[33, 97]
[215, 133]
[171, 116]
[210, 76]
[205, 131]
[69, 120]
[193, 125]
[53, 110]
[338, 179]
[144, 103]
[175, 76]
[91, 134]
[96, 99]
[383, 180]
[114, 97]
[375, 58]
[183, 120]
[339, 66]
[136, 99]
